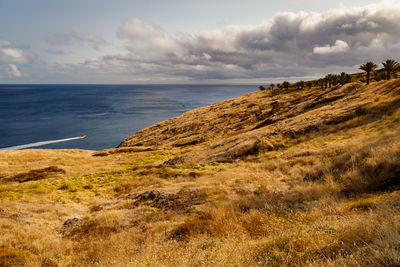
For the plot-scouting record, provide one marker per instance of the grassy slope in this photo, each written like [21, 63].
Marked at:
[270, 178]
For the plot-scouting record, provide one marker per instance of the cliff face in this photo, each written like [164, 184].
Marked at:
[250, 124]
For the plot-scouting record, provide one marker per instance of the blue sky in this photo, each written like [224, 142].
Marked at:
[121, 41]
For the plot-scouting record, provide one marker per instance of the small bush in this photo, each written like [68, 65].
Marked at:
[77, 229]
[13, 257]
[47, 262]
[194, 227]
[363, 204]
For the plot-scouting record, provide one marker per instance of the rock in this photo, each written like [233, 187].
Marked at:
[72, 222]
[149, 195]
[107, 152]
[169, 201]
[174, 161]
[240, 150]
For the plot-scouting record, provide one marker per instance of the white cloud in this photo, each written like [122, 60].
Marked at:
[147, 40]
[13, 71]
[9, 57]
[338, 47]
[10, 54]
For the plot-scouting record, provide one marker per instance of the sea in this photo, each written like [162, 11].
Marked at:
[57, 116]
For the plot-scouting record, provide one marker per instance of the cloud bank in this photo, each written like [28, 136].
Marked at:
[286, 46]
[289, 44]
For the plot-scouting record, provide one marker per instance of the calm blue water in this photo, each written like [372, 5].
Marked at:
[105, 113]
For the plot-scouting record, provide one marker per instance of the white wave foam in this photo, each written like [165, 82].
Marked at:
[42, 143]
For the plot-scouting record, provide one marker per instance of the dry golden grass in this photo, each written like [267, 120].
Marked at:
[74, 162]
[317, 187]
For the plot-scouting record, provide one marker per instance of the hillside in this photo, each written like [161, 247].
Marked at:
[271, 178]
[262, 118]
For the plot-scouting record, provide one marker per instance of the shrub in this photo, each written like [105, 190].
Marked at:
[13, 257]
[34, 175]
[193, 227]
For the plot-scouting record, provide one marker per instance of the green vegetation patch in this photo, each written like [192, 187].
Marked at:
[280, 143]
[365, 202]
[191, 170]
[61, 189]
[13, 257]
[363, 205]
[150, 160]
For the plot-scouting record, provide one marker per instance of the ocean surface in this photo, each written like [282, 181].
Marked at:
[56, 115]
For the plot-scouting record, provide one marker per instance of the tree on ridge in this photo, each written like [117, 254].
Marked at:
[368, 67]
[390, 66]
[285, 85]
[300, 84]
[344, 78]
[321, 82]
[330, 80]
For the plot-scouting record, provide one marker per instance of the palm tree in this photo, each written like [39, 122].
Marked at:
[278, 85]
[272, 86]
[330, 79]
[327, 80]
[286, 85]
[390, 66]
[300, 84]
[368, 68]
[310, 84]
[321, 82]
[335, 79]
[344, 78]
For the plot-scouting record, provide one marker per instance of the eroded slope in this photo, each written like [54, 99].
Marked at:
[246, 125]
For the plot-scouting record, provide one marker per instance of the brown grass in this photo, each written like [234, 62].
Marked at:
[309, 178]
[373, 167]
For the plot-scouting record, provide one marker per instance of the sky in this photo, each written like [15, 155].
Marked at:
[185, 41]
